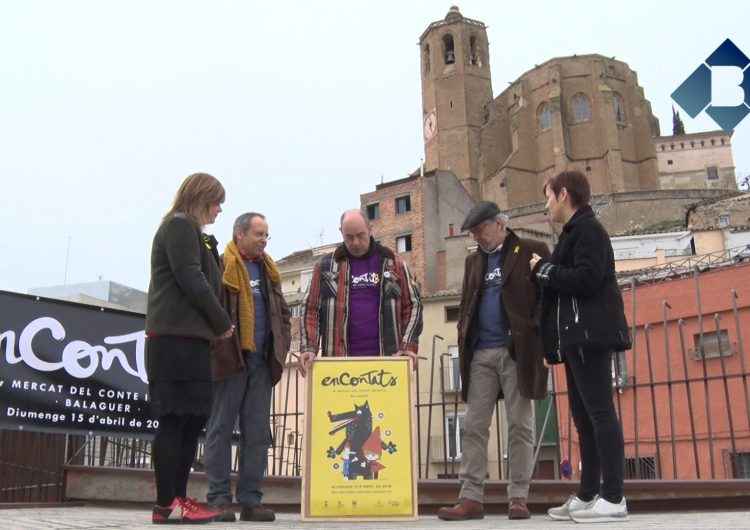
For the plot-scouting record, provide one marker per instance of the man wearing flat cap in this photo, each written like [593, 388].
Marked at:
[500, 355]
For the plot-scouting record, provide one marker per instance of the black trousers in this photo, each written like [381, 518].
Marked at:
[589, 377]
[173, 451]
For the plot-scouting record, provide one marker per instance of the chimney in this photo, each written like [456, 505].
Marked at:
[450, 230]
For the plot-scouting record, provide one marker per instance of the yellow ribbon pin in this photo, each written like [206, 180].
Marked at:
[515, 250]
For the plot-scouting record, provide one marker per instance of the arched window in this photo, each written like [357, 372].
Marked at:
[449, 53]
[581, 110]
[426, 58]
[619, 109]
[545, 117]
[475, 58]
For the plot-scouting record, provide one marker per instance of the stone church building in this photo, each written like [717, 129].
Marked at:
[585, 111]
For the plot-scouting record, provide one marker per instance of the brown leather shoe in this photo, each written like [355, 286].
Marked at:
[226, 513]
[517, 509]
[465, 509]
[257, 513]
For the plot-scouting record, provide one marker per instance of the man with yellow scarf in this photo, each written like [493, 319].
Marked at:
[244, 370]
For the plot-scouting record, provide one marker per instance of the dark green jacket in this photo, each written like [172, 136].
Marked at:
[183, 297]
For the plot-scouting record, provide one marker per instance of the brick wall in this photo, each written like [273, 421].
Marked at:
[392, 225]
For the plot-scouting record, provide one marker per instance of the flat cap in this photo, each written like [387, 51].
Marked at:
[480, 213]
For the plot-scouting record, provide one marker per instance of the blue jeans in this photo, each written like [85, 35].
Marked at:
[245, 396]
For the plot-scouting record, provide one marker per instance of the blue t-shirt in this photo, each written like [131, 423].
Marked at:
[256, 273]
[491, 328]
[364, 305]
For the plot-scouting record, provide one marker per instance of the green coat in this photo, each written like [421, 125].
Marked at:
[171, 310]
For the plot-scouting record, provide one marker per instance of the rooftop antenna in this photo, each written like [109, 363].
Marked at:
[321, 236]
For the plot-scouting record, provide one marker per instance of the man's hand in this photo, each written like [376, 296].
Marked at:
[408, 353]
[533, 261]
[305, 359]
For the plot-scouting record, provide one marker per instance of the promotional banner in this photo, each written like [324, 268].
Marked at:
[359, 440]
[68, 367]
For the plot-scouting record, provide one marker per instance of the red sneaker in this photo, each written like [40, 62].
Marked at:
[171, 514]
[195, 513]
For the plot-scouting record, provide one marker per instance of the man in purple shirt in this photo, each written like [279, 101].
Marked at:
[361, 301]
[364, 299]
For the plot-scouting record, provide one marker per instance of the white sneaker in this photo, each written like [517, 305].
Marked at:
[602, 511]
[562, 513]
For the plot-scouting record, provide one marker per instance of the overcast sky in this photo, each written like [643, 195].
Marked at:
[297, 107]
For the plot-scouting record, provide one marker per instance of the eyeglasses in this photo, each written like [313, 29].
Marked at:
[262, 235]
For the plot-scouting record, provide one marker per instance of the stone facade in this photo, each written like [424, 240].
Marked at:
[456, 87]
[722, 224]
[725, 212]
[585, 111]
[625, 213]
[693, 161]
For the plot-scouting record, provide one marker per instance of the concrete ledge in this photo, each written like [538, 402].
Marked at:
[26, 505]
[125, 485]
[93, 483]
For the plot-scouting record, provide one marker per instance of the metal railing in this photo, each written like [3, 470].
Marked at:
[684, 416]
[677, 268]
[31, 466]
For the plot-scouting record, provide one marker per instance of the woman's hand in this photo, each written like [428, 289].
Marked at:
[228, 333]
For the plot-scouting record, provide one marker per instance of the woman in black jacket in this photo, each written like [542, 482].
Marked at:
[583, 322]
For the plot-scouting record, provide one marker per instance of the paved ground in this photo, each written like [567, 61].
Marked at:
[90, 517]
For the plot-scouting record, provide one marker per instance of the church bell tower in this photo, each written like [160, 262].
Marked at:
[456, 93]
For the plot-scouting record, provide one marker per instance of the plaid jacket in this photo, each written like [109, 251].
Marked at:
[325, 309]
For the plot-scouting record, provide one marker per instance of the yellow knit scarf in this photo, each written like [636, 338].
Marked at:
[237, 279]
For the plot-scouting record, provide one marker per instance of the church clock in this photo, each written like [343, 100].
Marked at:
[430, 126]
